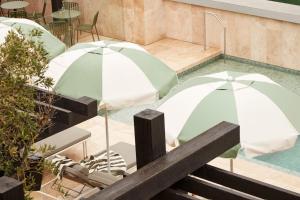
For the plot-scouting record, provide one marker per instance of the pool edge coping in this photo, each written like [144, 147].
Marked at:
[241, 60]
[267, 9]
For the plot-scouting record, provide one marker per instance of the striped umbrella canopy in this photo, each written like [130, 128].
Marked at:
[53, 45]
[268, 114]
[117, 74]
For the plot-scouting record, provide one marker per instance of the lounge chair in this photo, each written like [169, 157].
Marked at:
[91, 176]
[81, 175]
[64, 140]
[127, 151]
[68, 169]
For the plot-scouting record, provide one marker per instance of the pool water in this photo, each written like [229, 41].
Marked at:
[287, 160]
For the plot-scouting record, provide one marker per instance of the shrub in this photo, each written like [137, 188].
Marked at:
[23, 61]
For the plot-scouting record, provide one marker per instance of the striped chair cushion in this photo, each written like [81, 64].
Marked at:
[118, 165]
[60, 162]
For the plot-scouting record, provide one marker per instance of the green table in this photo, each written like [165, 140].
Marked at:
[67, 15]
[13, 5]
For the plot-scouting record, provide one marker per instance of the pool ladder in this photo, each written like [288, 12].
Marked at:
[220, 21]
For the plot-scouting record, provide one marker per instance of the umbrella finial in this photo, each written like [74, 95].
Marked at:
[230, 78]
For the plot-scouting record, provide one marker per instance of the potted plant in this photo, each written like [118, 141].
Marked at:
[23, 61]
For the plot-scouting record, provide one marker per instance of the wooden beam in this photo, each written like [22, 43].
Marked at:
[53, 128]
[90, 108]
[244, 184]
[211, 190]
[60, 114]
[160, 174]
[11, 189]
[84, 105]
[172, 194]
[149, 130]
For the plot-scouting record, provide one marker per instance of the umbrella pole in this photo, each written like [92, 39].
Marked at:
[107, 140]
[231, 164]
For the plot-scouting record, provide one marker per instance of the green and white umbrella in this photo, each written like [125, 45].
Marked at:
[268, 114]
[52, 44]
[118, 74]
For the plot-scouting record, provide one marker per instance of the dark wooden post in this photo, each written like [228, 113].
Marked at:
[165, 171]
[11, 189]
[150, 143]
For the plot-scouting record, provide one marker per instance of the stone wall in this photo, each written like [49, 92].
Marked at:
[140, 21]
[146, 21]
[256, 38]
[37, 5]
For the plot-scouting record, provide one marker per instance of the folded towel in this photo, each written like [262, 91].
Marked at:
[61, 162]
[118, 165]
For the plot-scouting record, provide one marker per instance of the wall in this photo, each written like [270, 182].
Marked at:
[134, 27]
[155, 20]
[184, 22]
[147, 21]
[110, 20]
[37, 5]
[256, 38]
[140, 21]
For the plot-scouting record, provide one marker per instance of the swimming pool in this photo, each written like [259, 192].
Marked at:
[287, 160]
[283, 77]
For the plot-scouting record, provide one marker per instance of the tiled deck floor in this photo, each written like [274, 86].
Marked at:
[180, 56]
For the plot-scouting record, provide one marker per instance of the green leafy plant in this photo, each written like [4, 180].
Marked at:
[23, 61]
[296, 2]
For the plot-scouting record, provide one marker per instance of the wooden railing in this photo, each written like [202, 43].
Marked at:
[184, 170]
[67, 111]
[181, 172]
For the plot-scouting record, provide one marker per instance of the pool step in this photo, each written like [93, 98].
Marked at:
[181, 55]
[203, 57]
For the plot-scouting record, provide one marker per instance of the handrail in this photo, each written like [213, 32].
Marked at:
[219, 20]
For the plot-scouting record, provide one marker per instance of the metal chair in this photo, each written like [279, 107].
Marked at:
[59, 29]
[17, 14]
[88, 27]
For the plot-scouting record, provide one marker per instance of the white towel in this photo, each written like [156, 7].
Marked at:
[118, 165]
